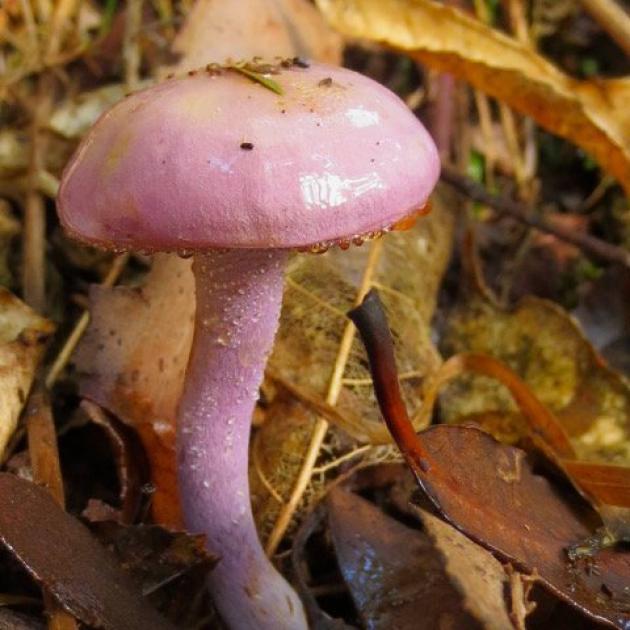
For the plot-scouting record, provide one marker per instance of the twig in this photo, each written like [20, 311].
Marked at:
[482, 104]
[589, 244]
[62, 16]
[131, 45]
[441, 112]
[34, 236]
[613, 19]
[320, 470]
[42, 444]
[14, 76]
[44, 454]
[31, 27]
[34, 239]
[321, 426]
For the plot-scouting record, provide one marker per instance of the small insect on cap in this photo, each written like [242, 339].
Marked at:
[286, 156]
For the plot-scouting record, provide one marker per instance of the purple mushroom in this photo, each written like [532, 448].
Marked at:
[221, 166]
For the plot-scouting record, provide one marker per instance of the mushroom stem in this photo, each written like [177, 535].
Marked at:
[239, 294]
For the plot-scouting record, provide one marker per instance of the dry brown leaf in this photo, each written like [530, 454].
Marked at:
[133, 360]
[23, 337]
[61, 554]
[606, 486]
[490, 492]
[476, 574]
[592, 114]
[394, 571]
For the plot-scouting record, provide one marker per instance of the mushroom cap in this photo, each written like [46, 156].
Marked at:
[216, 159]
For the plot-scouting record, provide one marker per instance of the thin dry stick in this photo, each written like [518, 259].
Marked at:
[34, 237]
[31, 28]
[529, 158]
[319, 470]
[61, 18]
[524, 159]
[44, 455]
[508, 124]
[518, 20]
[33, 269]
[80, 327]
[482, 103]
[42, 444]
[613, 19]
[44, 10]
[321, 426]
[587, 243]
[131, 45]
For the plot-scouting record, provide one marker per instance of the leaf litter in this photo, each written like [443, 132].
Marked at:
[393, 571]
[587, 399]
[121, 372]
[92, 587]
[506, 506]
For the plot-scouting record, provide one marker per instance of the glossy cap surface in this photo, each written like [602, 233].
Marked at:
[218, 160]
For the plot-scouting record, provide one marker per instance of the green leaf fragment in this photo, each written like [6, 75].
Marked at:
[270, 84]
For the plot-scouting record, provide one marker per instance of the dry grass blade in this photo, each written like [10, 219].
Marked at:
[592, 114]
[131, 45]
[613, 19]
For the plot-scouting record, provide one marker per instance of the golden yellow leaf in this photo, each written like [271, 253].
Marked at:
[592, 114]
[23, 337]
